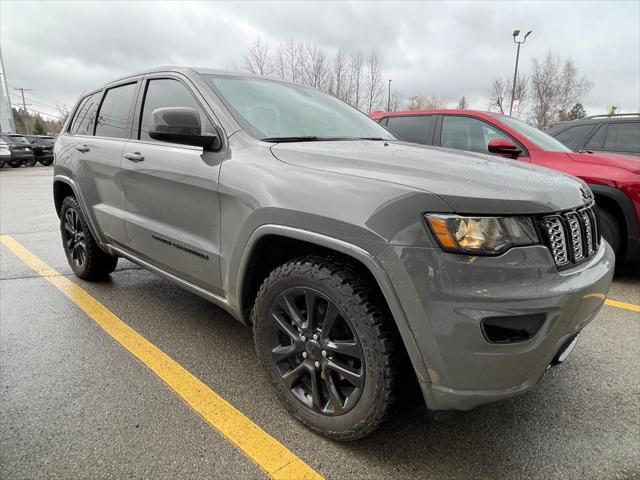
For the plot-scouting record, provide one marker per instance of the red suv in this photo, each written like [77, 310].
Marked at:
[614, 179]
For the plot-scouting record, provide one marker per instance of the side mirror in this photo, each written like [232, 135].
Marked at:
[504, 146]
[181, 125]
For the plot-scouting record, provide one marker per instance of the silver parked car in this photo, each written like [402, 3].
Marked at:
[345, 249]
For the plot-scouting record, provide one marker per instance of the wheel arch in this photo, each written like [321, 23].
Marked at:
[255, 266]
[620, 206]
[64, 186]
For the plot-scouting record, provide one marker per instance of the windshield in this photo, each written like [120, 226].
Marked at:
[276, 111]
[544, 141]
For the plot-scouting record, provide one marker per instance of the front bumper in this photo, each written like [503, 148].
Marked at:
[446, 296]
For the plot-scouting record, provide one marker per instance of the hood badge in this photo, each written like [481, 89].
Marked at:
[587, 196]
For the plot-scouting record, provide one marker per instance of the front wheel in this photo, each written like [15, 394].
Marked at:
[47, 162]
[30, 163]
[15, 163]
[326, 345]
[85, 257]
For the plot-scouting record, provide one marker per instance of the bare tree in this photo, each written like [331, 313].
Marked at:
[317, 73]
[257, 58]
[397, 101]
[340, 74]
[463, 104]
[375, 86]
[422, 102]
[500, 95]
[556, 86]
[355, 80]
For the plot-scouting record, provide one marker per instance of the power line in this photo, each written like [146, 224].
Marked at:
[44, 98]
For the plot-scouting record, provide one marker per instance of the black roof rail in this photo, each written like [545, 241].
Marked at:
[615, 115]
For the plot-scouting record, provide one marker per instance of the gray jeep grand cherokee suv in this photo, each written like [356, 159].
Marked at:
[346, 250]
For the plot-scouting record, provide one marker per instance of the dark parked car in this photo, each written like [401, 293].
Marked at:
[343, 248]
[5, 153]
[42, 148]
[21, 151]
[601, 133]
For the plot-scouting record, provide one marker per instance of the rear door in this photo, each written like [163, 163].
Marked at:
[171, 190]
[99, 130]
[412, 128]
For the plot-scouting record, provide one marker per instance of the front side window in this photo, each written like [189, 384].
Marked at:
[271, 110]
[114, 117]
[543, 140]
[623, 137]
[86, 115]
[163, 93]
[466, 133]
[572, 137]
[19, 139]
[411, 128]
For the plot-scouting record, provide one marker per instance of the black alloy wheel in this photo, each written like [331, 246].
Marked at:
[74, 237]
[317, 353]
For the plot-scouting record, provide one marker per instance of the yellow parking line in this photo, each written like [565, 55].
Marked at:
[626, 306]
[267, 452]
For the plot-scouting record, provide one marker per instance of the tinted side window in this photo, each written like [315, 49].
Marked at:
[572, 137]
[165, 92]
[86, 115]
[623, 137]
[465, 133]
[411, 129]
[596, 141]
[114, 117]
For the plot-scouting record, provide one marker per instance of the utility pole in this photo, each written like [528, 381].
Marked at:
[24, 106]
[389, 97]
[515, 73]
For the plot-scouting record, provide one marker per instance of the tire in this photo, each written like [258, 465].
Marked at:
[15, 163]
[46, 163]
[30, 163]
[610, 230]
[359, 339]
[85, 257]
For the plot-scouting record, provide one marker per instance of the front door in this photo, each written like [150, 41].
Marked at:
[171, 192]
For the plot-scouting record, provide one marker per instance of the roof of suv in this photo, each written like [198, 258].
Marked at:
[595, 119]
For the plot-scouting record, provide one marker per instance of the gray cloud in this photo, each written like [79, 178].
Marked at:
[445, 49]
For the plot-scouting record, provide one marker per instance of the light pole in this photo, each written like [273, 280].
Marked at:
[515, 73]
[389, 97]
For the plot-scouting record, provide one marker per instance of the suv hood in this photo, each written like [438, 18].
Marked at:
[627, 162]
[470, 183]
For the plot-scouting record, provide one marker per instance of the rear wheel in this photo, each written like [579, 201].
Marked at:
[610, 230]
[30, 163]
[47, 162]
[84, 255]
[15, 163]
[326, 346]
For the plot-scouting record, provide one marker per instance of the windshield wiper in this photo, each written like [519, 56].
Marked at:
[309, 138]
[313, 138]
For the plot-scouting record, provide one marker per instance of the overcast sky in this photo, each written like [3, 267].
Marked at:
[443, 49]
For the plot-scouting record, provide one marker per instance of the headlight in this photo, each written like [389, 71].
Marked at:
[481, 235]
[5, 151]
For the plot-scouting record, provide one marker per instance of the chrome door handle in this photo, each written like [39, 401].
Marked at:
[134, 157]
[82, 148]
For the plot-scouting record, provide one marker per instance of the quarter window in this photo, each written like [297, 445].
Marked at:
[623, 137]
[411, 128]
[162, 93]
[114, 117]
[466, 133]
[86, 115]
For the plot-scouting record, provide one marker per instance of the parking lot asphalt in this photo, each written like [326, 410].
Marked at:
[75, 404]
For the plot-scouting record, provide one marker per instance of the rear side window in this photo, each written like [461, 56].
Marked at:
[114, 119]
[411, 129]
[85, 116]
[162, 93]
[572, 137]
[623, 137]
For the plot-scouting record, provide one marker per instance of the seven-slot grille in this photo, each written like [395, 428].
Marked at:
[571, 236]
